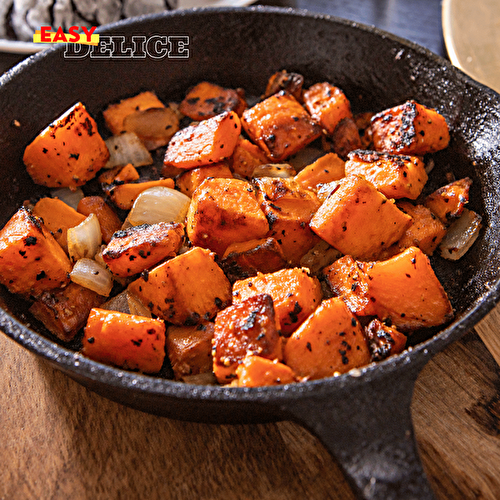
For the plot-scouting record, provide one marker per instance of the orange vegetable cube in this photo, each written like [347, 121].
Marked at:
[124, 340]
[255, 371]
[246, 158]
[119, 174]
[384, 340]
[124, 195]
[107, 217]
[289, 82]
[189, 180]
[326, 168]
[345, 137]
[448, 202]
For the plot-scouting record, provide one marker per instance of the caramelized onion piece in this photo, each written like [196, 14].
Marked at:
[461, 235]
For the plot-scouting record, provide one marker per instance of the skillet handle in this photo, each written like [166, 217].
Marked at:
[369, 431]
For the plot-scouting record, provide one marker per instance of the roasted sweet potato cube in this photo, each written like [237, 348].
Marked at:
[68, 153]
[31, 260]
[409, 129]
[295, 294]
[358, 220]
[363, 122]
[58, 217]
[207, 99]
[224, 211]
[137, 248]
[280, 126]
[64, 311]
[210, 141]
[114, 114]
[326, 168]
[246, 157]
[406, 291]
[255, 371]
[131, 342]
[396, 176]
[189, 349]
[245, 259]
[124, 195]
[349, 281]
[448, 202]
[119, 174]
[288, 208]
[345, 138]
[330, 341]
[189, 180]
[184, 290]
[248, 327]
[327, 105]
[384, 340]
[289, 82]
[107, 217]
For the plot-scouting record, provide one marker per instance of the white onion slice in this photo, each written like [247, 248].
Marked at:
[127, 148]
[158, 204]
[461, 235]
[84, 240]
[89, 274]
[276, 170]
[69, 196]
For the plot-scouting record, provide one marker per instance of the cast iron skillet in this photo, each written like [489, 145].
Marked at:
[363, 418]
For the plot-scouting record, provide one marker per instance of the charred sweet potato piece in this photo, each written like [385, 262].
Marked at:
[189, 349]
[288, 208]
[384, 340]
[114, 114]
[326, 168]
[363, 122]
[245, 259]
[189, 180]
[207, 99]
[210, 141]
[345, 138]
[358, 220]
[224, 211]
[289, 82]
[124, 195]
[119, 174]
[395, 176]
[295, 294]
[448, 202]
[186, 289]
[107, 217]
[327, 105]
[131, 342]
[31, 260]
[255, 371]
[58, 217]
[137, 248]
[409, 129]
[246, 157]
[248, 327]
[330, 341]
[280, 126]
[68, 153]
[64, 311]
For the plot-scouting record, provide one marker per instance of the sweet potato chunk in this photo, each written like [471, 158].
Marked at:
[31, 260]
[395, 176]
[210, 141]
[224, 211]
[327, 105]
[288, 208]
[137, 248]
[124, 195]
[242, 260]
[119, 175]
[409, 129]
[255, 371]
[330, 341]
[131, 342]
[248, 327]
[289, 82]
[68, 153]
[280, 126]
[189, 349]
[345, 137]
[189, 180]
[326, 168]
[58, 217]
[383, 340]
[246, 157]
[206, 100]
[186, 289]
[107, 217]
[448, 202]
[358, 220]
[295, 294]
[64, 311]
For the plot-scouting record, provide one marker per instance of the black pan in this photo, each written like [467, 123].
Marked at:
[363, 418]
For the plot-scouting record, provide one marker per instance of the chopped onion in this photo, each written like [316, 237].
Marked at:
[136, 307]
[127, 148]
[127, 303]
[280, 170]
[325, 190]
[85, 239]
[158, 204]
[89, 274]
[320, 256]
[461, 235]
[69, 196]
